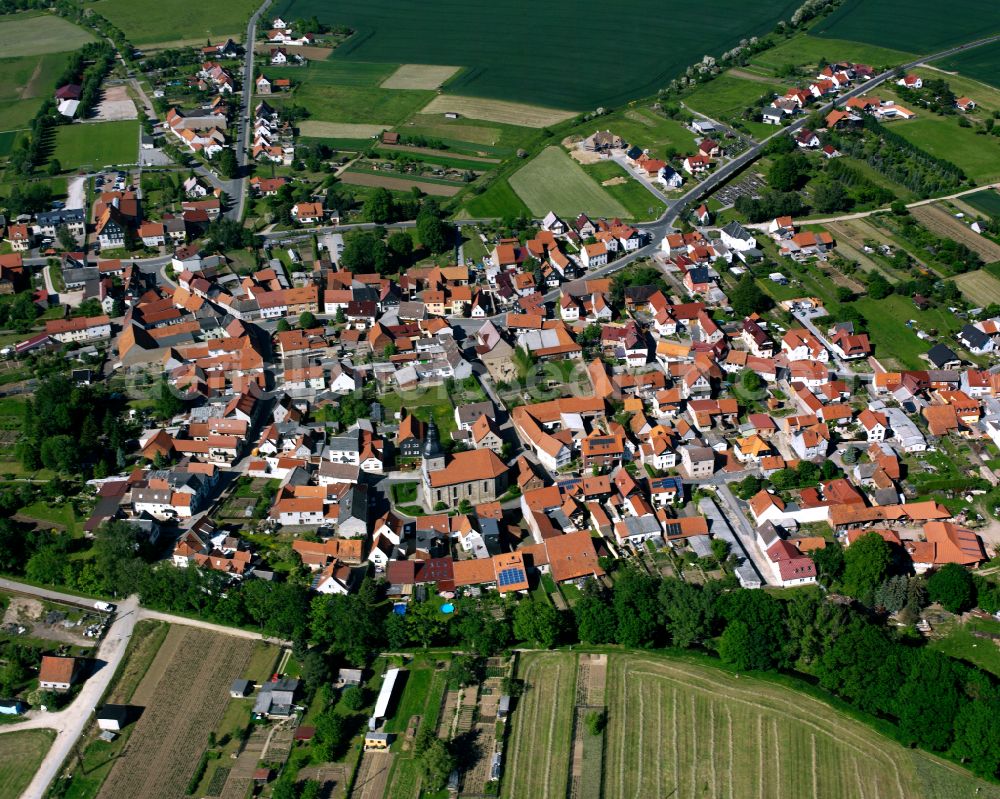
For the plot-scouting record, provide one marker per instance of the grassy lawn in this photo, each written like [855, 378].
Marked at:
[31, 34]
[335, 73]
[422, 404]
[894, 342]
[630, 193]
[808, 51]
[918, 26]
[499, 201]
[21, 754]
[404, 493]
[61, 515]
[472, 246]
[959, 642]
[520, 61]
[729, 732]
[172, 20]
[727, 97]
[553, 181]
[978, 156]
[97, 144]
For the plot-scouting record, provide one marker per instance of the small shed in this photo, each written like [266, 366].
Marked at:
[11, 707]
[377, 740]
[304, 733]
[503, 707]
[262, 776]
[240, 689]
[113, 717]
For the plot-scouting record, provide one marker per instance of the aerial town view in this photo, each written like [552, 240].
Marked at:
[500, 399]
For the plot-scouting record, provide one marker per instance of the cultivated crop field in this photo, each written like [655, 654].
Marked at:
[537, 760]
[511, 53]
[339, 130]
[555, 182]
[34, 34]
[979, 286]
[986, 201]
[980, 63]
[943, 224]
[918, 26]
[419, 76]
[529, 116]
[97, 144]
[176, 20]
[677, 728]
[184, 694]
[372, 179]
[21, 754]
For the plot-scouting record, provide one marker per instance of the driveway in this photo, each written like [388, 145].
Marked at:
[76, 192]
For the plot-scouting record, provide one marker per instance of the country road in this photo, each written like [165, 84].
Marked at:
[70, 722]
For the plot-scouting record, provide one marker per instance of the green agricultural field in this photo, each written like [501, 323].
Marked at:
[335, 73]
[25, 82]
[171, 21]
[332, 102]
[511, 57]
[916, 26]
[686, 727]
[980, 63]
[499, 201]
[97, 144]
[21, 754]
[802, 51]
[32, 34]
[727, 96]
[978, 156]
[553, 181]
[537, 759]
[639, 201]
[986, 201]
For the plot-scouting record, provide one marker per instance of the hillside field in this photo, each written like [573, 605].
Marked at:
[916, 26]
[553, 181]
[511, 51]
[682, 727]
[176, 20]
[986, 201]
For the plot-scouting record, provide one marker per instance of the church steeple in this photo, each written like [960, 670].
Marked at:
[433, 454]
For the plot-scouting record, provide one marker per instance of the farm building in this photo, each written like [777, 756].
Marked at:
[56, 674]
[384, 700]
[113, 717]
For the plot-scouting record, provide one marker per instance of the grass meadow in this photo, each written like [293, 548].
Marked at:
[802, 51]
[21, 754]
[727, 96]
[25, 82]
[644, 128]
[509, 51]
[553, 181]
[33, 34]
[978, 156]
[915, 26]
[97, 144]
[176, 20]
[626, 189]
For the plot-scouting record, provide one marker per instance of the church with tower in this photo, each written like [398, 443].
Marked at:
[476, 475]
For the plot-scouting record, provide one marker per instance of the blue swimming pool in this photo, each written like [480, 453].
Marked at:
[448, 608]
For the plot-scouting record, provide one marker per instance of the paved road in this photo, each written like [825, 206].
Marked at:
[738, 521]
[70, 722]
[238, 193]
[862, 214]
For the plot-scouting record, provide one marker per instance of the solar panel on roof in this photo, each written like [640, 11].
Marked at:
[510, 577]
